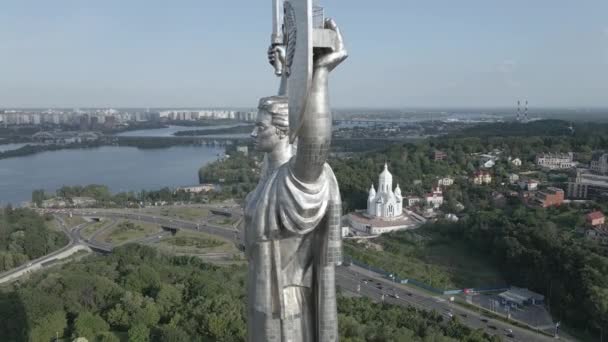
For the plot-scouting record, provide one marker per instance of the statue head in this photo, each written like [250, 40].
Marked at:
[272, 124]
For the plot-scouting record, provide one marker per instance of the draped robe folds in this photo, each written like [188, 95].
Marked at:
[293, 242]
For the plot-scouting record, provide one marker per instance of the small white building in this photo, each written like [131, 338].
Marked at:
[451, 217]
[481, 177]
[243, 149]
[83, 201]
[488, 164]
[435, 198]
[516, 162]
[529, 184]
[446, 181]
[413, 200]
[198, 188]
[513, 178]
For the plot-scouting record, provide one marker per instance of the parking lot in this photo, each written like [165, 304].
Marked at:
[534, 315]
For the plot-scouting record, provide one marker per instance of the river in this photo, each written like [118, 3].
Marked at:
[120, 168]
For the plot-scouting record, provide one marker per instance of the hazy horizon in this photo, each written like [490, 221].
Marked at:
[403, 54]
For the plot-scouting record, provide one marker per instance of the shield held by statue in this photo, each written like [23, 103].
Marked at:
[304, 32]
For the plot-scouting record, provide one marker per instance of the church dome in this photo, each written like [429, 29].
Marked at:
[398, 191]
[372, 192]
[386, 175]
[385, 183]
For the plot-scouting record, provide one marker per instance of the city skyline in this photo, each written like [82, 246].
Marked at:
[407, 55]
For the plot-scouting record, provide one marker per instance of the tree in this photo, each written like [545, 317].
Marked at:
[89, 325]
[106, 336]
[139, 333]
[171, 334]
[49, 327]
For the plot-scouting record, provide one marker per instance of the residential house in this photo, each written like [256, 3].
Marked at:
[516, 162]
[529, 184]
[435, 198]
[446, 181]
[595, 218]
[488, 164]
[481, 177]
[412, 200]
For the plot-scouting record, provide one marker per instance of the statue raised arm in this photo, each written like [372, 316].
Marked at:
[314, 135]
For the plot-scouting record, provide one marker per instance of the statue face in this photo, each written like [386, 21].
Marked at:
[265, 135]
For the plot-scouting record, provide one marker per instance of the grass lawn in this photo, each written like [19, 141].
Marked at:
[441, 263]
[195, 243]
[184, 213]
[126, 230]
[89, 230]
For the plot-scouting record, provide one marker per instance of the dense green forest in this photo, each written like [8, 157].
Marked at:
[137, 294]
[534, 248]
[106, 199]
[34, 149]
[24, 236]
[237, 175]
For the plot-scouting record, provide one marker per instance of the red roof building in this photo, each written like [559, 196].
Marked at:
[550, 197]
[596, 218]
[439, 155]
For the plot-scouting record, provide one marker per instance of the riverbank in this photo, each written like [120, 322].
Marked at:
[241, 129]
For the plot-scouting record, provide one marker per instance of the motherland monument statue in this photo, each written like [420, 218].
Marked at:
[292, 218]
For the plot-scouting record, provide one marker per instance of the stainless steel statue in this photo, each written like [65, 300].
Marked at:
[292, 218]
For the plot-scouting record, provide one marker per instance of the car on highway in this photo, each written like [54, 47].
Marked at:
[509, 331]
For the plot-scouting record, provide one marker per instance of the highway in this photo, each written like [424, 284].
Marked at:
[365, 283]
[33, 264]
[350, 278]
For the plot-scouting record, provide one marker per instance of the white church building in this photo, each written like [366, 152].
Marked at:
[384, 209]
[385, 203]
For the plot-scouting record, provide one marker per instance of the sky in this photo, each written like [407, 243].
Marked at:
[403, 54]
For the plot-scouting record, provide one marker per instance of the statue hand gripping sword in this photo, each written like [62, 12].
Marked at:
[292, 218]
